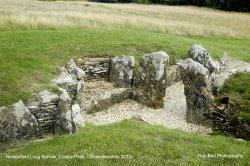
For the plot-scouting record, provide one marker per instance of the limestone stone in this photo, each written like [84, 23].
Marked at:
[96, 68]
[44, 106]
[150, 83]
[69, 82]
[73, 69]
[198, 91]
[64, 122]
[17, 123]
[173, 75]
[76, 115]
[200, 54]
[121, 70]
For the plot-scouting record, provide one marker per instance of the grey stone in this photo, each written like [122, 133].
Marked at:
[96, 68]
[69, 82]
[44, 106]
[108, 99]
[200, 54]
[17, 123]
[64, 122]
[73, 69]
[76, 115]
[173, 75]
[198, 91]
[150, 83]
[121, 70]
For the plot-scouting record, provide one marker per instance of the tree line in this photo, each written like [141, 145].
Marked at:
[232, 5]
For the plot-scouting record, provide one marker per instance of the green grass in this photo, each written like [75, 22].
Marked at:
[237, 88]
[29, 59]
[147, 144]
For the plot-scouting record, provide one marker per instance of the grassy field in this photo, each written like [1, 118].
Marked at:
[145, 145]
[29, 59]
[187, 21]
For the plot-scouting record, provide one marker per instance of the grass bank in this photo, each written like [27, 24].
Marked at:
[145, 144]
[29, 59]
[237, 88]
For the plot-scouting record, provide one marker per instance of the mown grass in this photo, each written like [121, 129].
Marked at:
[237, 88]
[29, 59]
[147, 145]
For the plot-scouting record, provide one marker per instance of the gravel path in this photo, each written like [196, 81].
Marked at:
[172, 115]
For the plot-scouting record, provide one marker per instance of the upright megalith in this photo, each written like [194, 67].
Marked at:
[121, 70]
[64, 121]
[198, 91]
[150, 83]
[17, 123]
[200, 54]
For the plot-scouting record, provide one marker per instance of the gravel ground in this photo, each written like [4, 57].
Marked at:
[172, 115]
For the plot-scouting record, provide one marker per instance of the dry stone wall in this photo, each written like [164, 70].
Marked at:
[44, 106]
[95, 68]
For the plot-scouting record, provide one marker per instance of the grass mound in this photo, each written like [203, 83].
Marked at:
[140, 143]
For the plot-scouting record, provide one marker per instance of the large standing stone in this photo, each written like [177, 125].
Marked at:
[121, 70]
[17, 123]
[197, 90]
[64, 122]
[150, 84]
[200, 54]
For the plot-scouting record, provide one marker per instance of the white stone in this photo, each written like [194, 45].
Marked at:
[76, 115]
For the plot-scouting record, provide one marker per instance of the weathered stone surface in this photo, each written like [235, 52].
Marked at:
[64, 122]
[121, 70]
[44, 106]
[173, 75]
[96, 68]
[17, 123]
[200, 54]
[98, 96]
[69, 82]
[76, 115]
[73, 69]
[150, 84]
[198, 91]
[108, 99]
